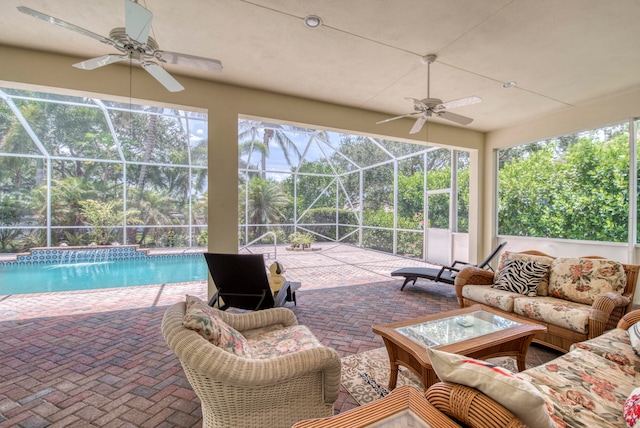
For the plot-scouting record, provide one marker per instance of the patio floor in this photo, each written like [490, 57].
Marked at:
[98, 358]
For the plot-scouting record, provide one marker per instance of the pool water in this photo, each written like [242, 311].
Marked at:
[42, 278]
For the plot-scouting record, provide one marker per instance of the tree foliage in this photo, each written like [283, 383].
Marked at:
[86, 164]
[572, 188]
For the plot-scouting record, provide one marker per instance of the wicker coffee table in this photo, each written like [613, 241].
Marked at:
[404, 407]
[477, 332]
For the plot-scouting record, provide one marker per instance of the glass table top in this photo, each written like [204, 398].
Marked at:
[445, 331]
[403, 419]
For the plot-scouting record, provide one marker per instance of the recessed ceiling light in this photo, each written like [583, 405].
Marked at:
[511, 84]
[313, 21]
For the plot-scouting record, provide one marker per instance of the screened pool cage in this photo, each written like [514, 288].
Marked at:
[79, 171]
[309, 185]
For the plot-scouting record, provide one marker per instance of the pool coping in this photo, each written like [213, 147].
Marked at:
[96, 290]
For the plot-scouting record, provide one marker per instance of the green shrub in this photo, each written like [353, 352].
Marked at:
[304, 240]
[203, 238]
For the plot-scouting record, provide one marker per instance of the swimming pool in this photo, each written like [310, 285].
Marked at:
[90, 275]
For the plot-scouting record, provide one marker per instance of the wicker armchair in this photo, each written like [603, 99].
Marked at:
[236, 391]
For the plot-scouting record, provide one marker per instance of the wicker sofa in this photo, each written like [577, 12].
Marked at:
[570, 316]
[285, 375]
[587, 387]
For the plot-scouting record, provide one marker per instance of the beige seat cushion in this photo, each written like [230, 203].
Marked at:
[563, 313]
[493, 297]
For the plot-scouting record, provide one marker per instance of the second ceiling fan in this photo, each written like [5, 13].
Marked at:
[429, 107]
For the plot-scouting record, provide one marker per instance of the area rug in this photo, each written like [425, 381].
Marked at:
[366, 375]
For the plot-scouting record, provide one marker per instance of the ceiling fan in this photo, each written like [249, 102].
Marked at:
[133, 42]
[429, 107]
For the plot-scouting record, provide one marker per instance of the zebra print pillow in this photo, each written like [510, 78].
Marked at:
[521, 276]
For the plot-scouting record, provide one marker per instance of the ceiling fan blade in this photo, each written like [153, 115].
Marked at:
[137, 21]
[101, 61]
[462, 120]
[398, 117]
[64, 24]
[461, 102]
[419, 124]
[162, 76]
[190, 61]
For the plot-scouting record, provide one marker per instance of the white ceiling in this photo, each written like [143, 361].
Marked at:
[368, 52]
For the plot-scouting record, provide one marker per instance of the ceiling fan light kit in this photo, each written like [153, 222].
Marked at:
[134, 43]
[429, 107]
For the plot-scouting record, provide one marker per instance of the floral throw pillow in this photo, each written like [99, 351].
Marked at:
[631, 409]
[203, 319]
[515, 394]
[521, 276]
[582, 280]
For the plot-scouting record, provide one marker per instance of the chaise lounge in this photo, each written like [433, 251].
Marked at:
[241, 282]
[446, 274]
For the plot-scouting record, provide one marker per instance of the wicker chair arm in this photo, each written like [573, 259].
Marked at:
[629, 319]
[213, 362]
[470, 406]
[601, 310]
[256, 319]
[474, 275]
[471, 275]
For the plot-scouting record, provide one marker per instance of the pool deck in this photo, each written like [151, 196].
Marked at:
[98, 359]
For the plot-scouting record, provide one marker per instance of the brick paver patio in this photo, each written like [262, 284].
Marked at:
[98, 358]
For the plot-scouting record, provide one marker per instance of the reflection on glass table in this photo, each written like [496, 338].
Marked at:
[457, 328]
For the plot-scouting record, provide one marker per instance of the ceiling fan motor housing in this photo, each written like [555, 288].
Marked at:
[428, 104]
[127, 44]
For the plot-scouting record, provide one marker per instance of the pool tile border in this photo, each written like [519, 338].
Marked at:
[63, 255]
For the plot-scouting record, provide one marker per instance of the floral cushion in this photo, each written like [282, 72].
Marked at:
[203, 319]
[262, 330]
[631, 409]
[493, 297]
[543, 286]
[615, 346]
[581, 280]
[521, 276]
[584, 389]
[563, 313]
[507, 388]
[284, 341]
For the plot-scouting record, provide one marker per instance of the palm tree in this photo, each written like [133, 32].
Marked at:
[149, 144]
[266, 203]
[154, 208]
[250, 130]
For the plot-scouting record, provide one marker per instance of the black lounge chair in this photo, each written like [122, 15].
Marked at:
[241, 282]
[446, 274]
